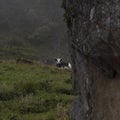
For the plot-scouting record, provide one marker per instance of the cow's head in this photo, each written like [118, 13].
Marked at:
[58, 60]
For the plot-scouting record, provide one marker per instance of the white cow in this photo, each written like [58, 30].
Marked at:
[60, 63]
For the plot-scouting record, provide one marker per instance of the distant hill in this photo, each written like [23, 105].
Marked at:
[32, 29]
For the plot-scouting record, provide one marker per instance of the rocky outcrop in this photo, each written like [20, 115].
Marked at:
[94, 33]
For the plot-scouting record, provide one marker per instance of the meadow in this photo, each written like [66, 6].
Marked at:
[34, 92]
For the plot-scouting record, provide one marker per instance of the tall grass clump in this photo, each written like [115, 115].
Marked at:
[25, 87]
[34, 92]
[6, 92]
[61, 112]
[30, 104]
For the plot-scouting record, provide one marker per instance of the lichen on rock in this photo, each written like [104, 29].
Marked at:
[95, 53]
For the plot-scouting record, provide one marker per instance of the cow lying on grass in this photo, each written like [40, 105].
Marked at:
[23, 60]
[61, 64]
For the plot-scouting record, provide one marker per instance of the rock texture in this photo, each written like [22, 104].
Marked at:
[94, 32]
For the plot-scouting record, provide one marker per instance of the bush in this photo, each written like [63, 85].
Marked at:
[19, 89]
[6, 93]
[51, 116]
[24, 88]
[29, 87]
[68, 81]
[29, 104]
[14, 116]
[45, 85]
[64, 91]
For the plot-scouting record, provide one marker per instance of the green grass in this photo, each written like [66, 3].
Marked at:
[34, 92]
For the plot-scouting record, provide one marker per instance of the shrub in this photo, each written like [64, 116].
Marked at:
[64, 91]
[51, 116]
[6, 93]
[45, 85]
[68, 81]
[14, 116]
[24, 88]
[30, 104]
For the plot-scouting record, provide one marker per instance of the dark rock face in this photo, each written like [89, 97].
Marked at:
[94, 30]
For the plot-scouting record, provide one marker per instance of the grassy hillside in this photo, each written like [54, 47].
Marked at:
[32, 29]
[34, 92]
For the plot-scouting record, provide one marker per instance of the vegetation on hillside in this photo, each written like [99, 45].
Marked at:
[34, 92]
[32, 29]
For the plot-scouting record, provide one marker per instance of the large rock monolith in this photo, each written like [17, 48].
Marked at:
[94, 37]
